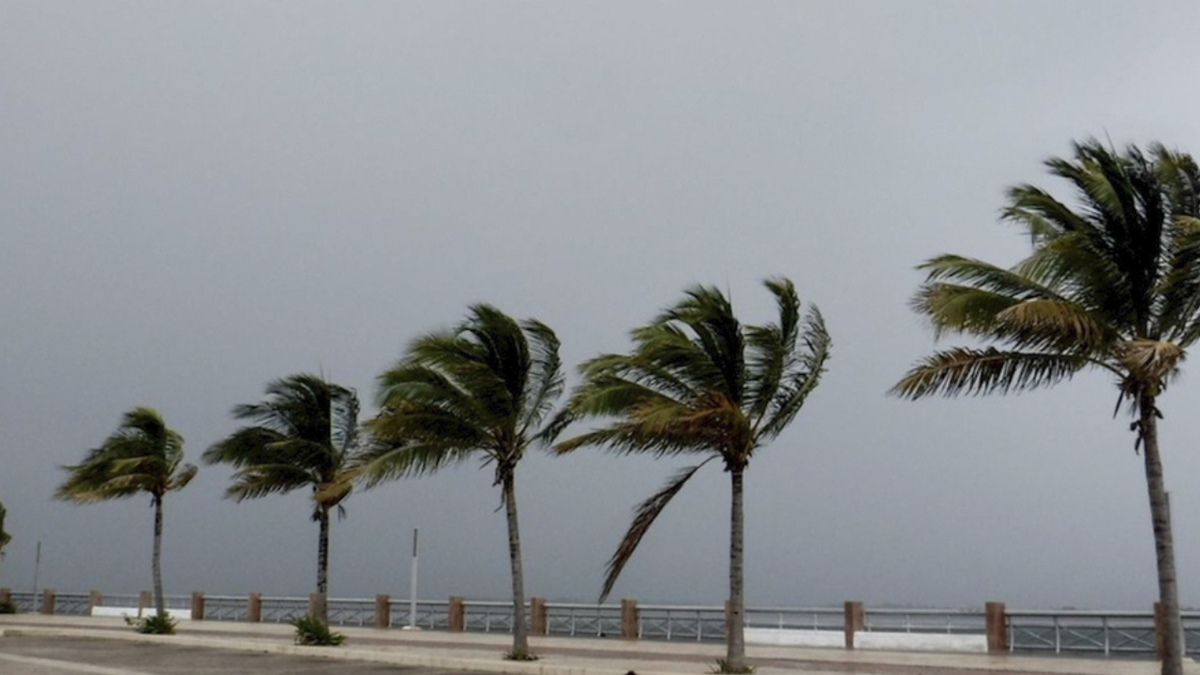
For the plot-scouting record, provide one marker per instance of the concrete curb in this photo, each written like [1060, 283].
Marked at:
[390, 657]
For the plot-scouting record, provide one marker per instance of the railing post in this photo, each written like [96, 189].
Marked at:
[48, 601]
[383, 611]
[1160, 645]
[5, 595]
[537, 617]
[997, 629]
[455, 614]
[254, 608]
[197, 606]
[629, 619]
[853, 615]
[95, 599]
[145, 599]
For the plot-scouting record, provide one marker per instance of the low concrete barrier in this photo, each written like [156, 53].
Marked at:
[132, 613]
[786, 637]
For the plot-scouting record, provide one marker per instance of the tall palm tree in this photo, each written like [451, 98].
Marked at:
[484, 389]
[304, 434]
[1112, 284]
[699, 383]
[143, 455]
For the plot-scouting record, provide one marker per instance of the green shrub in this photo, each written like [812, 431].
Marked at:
[311, 632]
[153, 624]
[8, 607]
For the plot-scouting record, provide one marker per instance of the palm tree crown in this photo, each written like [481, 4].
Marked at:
[484, 389]
[1112, 283]
[699, 383]
[304, 434]
[143, 455]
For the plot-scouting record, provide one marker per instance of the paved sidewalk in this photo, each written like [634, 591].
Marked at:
[571, 656]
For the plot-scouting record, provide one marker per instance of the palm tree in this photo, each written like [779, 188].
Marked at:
[143, 455]
[1112, 284]
[699, 383]
[5, 537]
[304, 434]
[483, 390]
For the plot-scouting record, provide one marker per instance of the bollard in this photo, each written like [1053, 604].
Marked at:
[145, 599]
[197, 606]
[95, 599]
[455, 615]
[537, 616]
[383, 611]
[997, 627]
[629, 619]
[254, 608]
[854, 620]
[48, 601]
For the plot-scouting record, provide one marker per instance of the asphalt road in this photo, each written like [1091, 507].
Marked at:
[67, 656]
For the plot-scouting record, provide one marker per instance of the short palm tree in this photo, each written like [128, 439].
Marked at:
[699, 383]
[143, 456]
[5, 537]
[303, 435]
[484, 389]
[1112, 284]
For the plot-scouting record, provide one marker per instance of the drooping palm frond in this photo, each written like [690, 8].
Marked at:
[966, 371]
[644, 516]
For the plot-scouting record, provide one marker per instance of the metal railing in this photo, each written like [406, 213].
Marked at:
[948, 621]
[1101, 633]
[1106, 633]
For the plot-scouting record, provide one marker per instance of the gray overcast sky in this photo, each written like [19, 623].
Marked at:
[196, 198]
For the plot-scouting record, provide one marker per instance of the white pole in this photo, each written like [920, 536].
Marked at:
[412, 587]
[37, 568]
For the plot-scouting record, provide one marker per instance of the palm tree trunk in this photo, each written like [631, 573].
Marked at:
[322, 613]
[735, 637]
[1164, 544]
[520, 632]
[156, 561]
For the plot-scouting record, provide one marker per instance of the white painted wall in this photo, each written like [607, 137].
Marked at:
[863, 640]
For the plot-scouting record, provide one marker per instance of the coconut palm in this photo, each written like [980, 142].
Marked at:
[143, 456]
[484, 389]
[1112, 284]
[5, 537]
[699, 383]
[304, 434]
